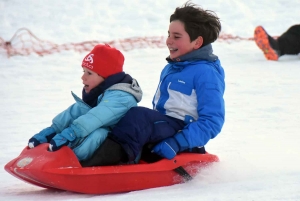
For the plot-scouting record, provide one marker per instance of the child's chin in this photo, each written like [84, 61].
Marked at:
[174, 56]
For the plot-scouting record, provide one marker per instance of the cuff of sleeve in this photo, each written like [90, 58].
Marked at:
[52, 129]
[181, 140]
[69, 134]
[55, 128]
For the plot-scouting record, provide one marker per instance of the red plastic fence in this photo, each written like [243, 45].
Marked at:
[24, 43]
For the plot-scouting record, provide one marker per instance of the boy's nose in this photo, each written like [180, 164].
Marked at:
[169, 41]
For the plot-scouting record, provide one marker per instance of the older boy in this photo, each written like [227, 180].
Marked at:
[188, 107]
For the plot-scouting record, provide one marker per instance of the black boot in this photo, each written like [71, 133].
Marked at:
[109, 153]
[274, 44]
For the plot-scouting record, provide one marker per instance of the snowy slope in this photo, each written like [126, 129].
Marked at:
[259, 144]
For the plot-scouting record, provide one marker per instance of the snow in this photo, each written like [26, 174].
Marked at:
[259, 144]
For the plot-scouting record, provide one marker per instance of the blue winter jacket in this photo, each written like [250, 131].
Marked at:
[191, 88]
[91, 125]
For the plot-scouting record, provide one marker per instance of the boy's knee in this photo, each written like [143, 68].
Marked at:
[136, 112]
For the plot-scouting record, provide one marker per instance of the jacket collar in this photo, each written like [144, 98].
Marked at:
[203, 53]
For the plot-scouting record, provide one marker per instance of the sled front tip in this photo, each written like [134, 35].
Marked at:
[32, 163]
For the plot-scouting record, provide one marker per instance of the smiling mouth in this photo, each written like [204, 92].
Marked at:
[173, 49]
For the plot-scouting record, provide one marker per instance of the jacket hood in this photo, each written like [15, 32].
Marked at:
[132, 88]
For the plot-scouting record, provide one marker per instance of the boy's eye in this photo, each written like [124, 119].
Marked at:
[176, 37]
[89, 73]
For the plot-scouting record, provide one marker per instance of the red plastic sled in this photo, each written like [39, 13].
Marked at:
[61, 170]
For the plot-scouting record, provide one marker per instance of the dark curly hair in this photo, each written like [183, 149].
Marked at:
[198, 22]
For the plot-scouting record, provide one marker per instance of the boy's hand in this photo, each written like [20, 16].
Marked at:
[43, 136]
[62, 139]
[169, 147]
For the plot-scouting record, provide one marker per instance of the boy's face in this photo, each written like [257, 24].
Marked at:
[90, 79]
[178, 40]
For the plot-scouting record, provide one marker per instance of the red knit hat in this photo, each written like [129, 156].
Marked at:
[104, 60]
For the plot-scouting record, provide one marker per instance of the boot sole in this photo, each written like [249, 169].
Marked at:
[262, 41]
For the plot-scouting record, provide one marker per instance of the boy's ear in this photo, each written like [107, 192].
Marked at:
[198, 42]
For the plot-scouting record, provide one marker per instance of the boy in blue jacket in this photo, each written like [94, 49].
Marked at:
[108, 93]
[188, 107]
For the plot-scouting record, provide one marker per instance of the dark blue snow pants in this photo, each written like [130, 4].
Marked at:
[142, 125]
[289, 41]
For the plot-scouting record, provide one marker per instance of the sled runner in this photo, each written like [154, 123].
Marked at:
[61, 170]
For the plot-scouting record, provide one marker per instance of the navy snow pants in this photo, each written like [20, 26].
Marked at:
[289, 42]
[142, 125]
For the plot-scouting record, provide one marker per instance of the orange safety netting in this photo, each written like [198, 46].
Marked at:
[24, 42]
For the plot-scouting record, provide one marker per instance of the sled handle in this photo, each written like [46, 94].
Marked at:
[182, 172]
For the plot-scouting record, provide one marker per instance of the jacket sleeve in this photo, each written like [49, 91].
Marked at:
[66, 117]
[113, 105]
[211, 110]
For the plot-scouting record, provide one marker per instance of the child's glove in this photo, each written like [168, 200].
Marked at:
[43, 136]
[169, 147]
[62, 139]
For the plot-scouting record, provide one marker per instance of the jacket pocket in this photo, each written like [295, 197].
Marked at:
[182, 88]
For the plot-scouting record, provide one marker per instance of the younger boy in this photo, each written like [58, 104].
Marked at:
[108, 93]
[188, 107]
